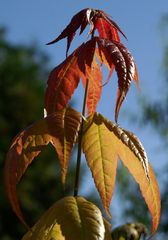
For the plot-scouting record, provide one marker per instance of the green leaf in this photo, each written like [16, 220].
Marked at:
[71, 218]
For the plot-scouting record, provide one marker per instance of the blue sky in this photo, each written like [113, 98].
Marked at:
[40, 21]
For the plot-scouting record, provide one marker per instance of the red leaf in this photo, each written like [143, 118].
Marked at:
[62, 82]
[106, 27]
[97, 19]
[70, 30]
[115, 53]
[64, 79]
[106, 30]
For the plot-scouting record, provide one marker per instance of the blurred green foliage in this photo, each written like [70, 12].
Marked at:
[23, 74]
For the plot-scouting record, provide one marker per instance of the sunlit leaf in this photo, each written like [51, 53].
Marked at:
[107, 142]
[60, 129]
[71, 218]
[62, 82]
[94, 77]
[64, 79]
[101, 158]
[80, 19]
[97, 19]
[106, 31]
[116, 54]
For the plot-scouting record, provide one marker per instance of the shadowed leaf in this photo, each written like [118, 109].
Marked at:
[60, 129]
[108, 142]
[70, 218]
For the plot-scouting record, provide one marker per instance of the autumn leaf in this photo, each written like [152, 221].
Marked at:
[118, 55]
[68, 219]
[64, 79]
[80, 19]
[106, 30]
[60, 129]
[94, 77]
[62, 82]
[108, 142]
[97, 19]
[101, 159]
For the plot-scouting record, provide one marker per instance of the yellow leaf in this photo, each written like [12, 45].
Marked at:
[60, 129]
[71, 218]
[101, 158]
[107, 142]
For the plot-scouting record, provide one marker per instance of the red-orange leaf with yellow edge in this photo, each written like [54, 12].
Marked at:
[60, 129]
[108, 142]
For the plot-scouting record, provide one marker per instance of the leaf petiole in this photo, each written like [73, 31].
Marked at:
[79, 153]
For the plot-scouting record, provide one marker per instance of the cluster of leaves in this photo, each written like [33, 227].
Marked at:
[102, 141]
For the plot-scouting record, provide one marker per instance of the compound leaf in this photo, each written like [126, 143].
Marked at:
[108, 142]
[97, 19]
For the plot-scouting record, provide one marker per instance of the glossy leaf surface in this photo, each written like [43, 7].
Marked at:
[64, 79]
[116, 54]
[60, 129]
[71, 218]
[97, 19]
[108, 142]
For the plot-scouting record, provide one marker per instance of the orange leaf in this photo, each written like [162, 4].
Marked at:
[95, 87]
[60, 129]
[107, 142]
[64, 79]
[62, 82]
[146, 179]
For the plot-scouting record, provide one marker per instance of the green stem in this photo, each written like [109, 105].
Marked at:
[78, 163]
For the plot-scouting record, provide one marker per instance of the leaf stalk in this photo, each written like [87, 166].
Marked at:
[79, 153]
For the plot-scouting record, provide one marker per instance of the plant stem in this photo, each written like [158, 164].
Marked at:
[79, 153]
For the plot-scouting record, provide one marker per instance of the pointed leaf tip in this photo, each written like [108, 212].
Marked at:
[60, 129]
[117, 55]
[108, 142]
